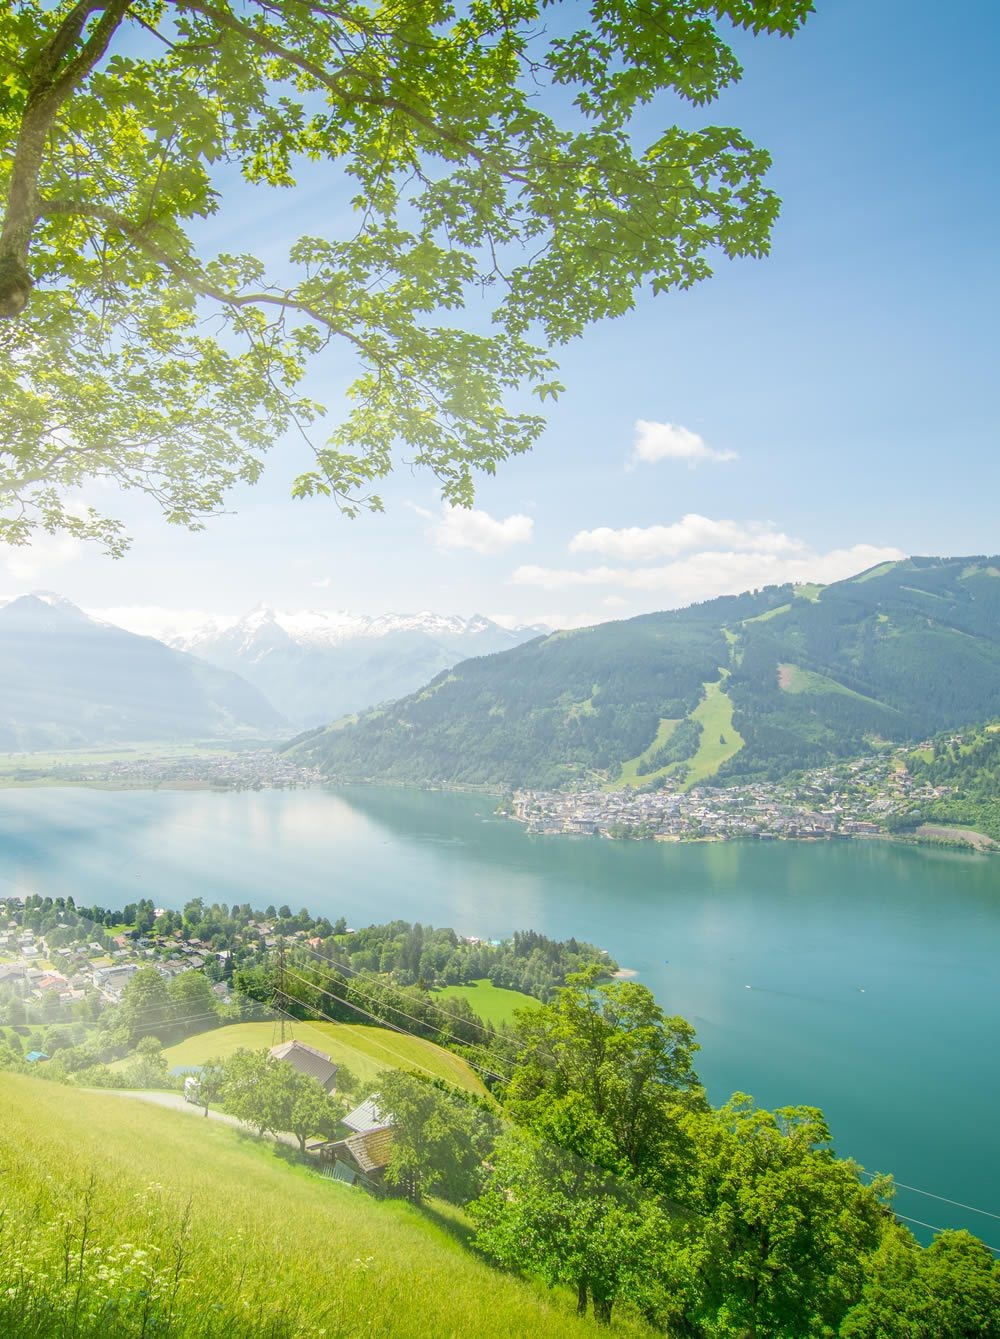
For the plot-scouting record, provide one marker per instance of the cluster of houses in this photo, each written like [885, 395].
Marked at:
[843, 800]
[38, 973]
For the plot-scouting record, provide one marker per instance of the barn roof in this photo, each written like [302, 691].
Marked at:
[307, 1060]
[366, 1116]
[371, 1150]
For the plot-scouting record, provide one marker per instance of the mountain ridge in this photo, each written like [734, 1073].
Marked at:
[800, 674]
[69, 680]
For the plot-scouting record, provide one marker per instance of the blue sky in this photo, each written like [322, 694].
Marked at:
[849, 379]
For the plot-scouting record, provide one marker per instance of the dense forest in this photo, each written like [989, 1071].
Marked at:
[898, 653]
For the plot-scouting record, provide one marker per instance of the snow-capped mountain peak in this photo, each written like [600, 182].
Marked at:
[318, 664]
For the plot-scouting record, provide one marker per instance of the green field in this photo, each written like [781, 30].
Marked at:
[364, 1048]
[629, 775]
[124, 1219]
[720, 740]
[808, 590]
[768, 614]
[492, 1003]
[793, 679]
[47, 760]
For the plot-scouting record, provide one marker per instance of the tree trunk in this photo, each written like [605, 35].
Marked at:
[581, 1297]
[602, 1310]
[55, 75]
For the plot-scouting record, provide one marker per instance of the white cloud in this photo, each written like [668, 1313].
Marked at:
[465, 528]
[672, 441]
[323, 583]
[646, 543]
[702, 576]
[44, 554]
[420, 511]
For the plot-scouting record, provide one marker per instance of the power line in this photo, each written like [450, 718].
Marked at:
[943, 1198]
[393, 1054]
[354, 972]
[402, 1014]
[396, 1009]
[934, 1228]
[385, 1023]
[420, 1022]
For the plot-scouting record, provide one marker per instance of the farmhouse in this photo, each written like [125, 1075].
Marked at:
[307, 1060]
[366, 1117]
[360, 1157]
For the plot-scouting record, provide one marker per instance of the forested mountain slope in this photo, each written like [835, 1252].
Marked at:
[797, 675]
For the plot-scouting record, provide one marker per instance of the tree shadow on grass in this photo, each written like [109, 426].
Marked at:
[459, 1229]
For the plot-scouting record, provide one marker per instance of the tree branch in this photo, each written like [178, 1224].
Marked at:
[224, 19]
[194, 278]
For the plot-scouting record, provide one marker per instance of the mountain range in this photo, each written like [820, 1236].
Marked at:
[754, 685]
[67, 680]
[318, 666]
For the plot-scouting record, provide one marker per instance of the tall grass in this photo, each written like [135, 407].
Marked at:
[120, 1219]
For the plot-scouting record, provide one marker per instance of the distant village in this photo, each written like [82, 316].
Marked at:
[844, 800]
[247, 769]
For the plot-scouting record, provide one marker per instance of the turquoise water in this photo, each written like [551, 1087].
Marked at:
[873, 968]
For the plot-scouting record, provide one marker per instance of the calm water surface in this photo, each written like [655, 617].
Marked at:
[872, 969]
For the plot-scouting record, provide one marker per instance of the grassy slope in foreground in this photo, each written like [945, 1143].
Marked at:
[272, 1251]
[494, 1004]
[364, 1048]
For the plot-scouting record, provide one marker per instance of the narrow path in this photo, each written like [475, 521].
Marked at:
[174, 1102]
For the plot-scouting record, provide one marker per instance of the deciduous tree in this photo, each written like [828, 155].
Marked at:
[780, 1227]
[439, 1139]
[602, 1070]
[551, 1214]
[952, 1287]
[517, 156]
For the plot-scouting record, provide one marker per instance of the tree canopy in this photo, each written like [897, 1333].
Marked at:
[516, 159]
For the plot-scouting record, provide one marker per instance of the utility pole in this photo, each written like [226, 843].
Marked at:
[279, 997]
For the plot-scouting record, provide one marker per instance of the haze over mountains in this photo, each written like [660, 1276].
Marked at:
[316, 666]
[67, 679]
[753, 685]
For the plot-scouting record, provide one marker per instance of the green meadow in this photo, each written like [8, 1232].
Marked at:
[629, 775]
[493, 1004]
[720, 740]
[364, 1048]
[122, 1219]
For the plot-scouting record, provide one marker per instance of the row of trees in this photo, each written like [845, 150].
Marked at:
[431, 956]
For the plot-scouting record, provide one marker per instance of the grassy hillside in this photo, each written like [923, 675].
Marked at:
[365, 1049]
[122, 1219]
[898, 653]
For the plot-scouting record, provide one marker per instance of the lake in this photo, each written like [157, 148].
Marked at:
[858, 977]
